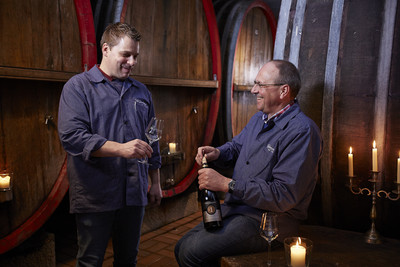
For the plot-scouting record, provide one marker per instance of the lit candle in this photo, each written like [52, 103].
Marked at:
[297, 254]
[374, 158]
[4, 182]
[398, 168]
[172, 147]
[350, 157]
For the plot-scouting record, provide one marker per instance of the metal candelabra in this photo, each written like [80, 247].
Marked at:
[372, 235]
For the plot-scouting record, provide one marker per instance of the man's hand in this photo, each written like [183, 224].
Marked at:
[212, 180]
[211, 153]
[133, 149]
[155, 195]
[136, 149]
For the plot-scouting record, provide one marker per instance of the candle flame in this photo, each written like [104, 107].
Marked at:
[298, 242]
[374, 144]
[351, 150]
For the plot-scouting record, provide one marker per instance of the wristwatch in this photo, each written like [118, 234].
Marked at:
[231, 186]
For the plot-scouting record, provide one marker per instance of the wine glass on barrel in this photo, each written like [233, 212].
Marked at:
[153, 133]
[269, 230]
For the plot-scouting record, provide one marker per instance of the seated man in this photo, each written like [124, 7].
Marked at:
[275, 161]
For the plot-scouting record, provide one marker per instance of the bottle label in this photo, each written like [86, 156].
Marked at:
[211, 213]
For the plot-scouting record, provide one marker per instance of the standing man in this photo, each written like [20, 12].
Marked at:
[102, 118]
[275, 161]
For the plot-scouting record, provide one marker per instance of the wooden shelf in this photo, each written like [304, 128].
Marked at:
[35, 74]
[62, 76]
[150, 80]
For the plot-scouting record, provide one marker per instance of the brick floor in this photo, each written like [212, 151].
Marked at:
[156, 248]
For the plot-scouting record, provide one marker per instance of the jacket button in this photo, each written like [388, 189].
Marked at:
[247, 162]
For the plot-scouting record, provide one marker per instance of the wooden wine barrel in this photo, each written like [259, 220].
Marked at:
[185, 89]
[36, 61]
[351, 89]
[180, 64]
[105, 13]
[247, 31]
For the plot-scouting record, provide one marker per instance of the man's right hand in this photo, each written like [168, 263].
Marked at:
[133, 149]
[136, 149]
[211, 153]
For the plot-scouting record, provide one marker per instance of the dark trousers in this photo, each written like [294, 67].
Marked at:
[239, 235]
[95, 229]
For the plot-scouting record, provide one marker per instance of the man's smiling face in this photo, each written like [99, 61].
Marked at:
[119, 60]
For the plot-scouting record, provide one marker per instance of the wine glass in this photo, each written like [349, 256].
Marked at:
[269, 230]
[153, 133]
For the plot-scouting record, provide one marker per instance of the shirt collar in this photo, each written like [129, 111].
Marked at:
[105, 74]
[277, 114]
[96, 75]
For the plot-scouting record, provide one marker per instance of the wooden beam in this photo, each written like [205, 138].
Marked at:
[382, 84]
[280, 40]
[328, 109]
[296, 32]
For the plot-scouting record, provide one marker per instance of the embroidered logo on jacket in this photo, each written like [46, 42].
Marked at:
[270, 148]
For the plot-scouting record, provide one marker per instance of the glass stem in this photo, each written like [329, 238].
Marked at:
[146, 159]
[269, 254]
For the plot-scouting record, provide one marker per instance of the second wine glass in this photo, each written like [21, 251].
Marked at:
[153, 133]
[269, 230]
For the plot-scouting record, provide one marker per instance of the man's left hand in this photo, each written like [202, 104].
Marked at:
[155, 195]
[212, 180]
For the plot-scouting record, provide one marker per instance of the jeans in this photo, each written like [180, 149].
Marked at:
[239, 235]
[95, 229]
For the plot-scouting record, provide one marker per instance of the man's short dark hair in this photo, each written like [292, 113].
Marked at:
[288, 74]
[114, 32]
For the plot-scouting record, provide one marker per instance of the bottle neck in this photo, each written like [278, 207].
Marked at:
[204, 163]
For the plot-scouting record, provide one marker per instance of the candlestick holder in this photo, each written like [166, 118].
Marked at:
[372, 236]
[395, 192]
